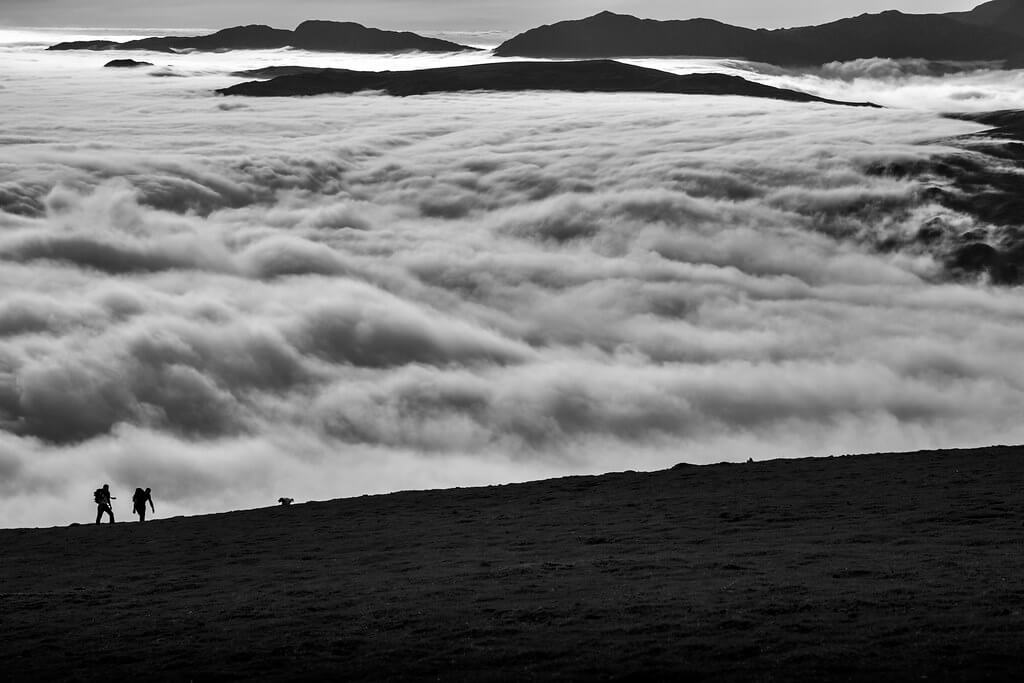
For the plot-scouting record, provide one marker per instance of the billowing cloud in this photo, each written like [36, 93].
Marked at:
[230, 301]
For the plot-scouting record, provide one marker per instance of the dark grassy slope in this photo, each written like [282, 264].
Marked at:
[581, 76]
[889, 34]
[865, 568]
[326, 36]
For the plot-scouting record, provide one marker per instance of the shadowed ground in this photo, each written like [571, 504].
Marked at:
[882, 567]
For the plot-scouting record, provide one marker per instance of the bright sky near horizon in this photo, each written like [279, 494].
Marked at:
[506, 15]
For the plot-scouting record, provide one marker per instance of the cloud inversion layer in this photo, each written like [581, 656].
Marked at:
[340, 295]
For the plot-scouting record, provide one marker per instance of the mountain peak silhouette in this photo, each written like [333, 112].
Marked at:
[318, 35]
[990, 32]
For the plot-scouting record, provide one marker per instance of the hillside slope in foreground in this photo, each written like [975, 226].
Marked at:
[880, 567]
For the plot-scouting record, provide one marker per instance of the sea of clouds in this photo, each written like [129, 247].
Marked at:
[231, 300]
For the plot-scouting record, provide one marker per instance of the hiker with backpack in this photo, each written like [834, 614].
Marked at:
[139, 501]
[102, 497]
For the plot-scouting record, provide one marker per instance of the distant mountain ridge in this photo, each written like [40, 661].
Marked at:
[324, 36]
[1002, 15]
[620, 35]
[990, 32]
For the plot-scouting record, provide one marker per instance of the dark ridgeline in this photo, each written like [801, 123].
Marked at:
[324, 36]
[895, 35]
[620, 35]
[990, 32]
[329, 35]
[578, 76]
[275, 71]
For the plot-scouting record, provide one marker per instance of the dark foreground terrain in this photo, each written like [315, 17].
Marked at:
[882, 567]
[596, 75]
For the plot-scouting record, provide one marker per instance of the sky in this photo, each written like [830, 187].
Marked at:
[435, 15]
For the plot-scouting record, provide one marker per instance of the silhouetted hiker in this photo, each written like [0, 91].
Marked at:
[103, 498]
[139, 501]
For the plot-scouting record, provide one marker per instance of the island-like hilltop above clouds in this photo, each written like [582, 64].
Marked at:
[595, 75]
[990, 32]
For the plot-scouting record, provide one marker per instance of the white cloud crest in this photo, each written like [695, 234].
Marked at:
[229, 301]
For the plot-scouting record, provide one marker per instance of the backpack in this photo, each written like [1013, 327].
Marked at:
[100, 496]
